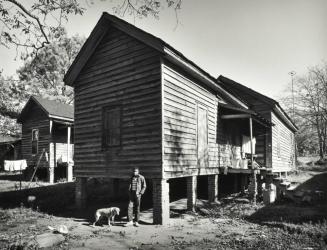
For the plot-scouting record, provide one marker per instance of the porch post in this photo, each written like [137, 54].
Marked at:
[52, 155]
[69, 165]
[254, 177]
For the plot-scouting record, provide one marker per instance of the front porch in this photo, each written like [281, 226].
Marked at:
[61, 148]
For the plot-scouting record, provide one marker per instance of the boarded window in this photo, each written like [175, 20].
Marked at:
[35, 141]
[202, 137]
[278, 141]
[111, 126]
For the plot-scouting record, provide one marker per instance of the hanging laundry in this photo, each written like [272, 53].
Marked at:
[246, 144]
[15, 165]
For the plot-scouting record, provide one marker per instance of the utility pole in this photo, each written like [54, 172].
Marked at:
[292, 74]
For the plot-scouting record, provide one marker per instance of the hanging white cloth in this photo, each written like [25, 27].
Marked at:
[246, 144]
[15, 165]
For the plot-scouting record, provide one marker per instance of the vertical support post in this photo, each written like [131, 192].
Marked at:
[213, 188]
[52, 155]
[69, 165]
[160, 201]
[251, 141]
[243, 182]
[191, 192]
[80, 192]
[254, 177]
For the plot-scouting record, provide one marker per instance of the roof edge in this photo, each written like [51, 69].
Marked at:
[271, 102]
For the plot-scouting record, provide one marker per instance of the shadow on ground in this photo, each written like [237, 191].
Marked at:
[295, 210]
[59, 200]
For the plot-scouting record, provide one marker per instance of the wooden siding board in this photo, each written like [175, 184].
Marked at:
[284, 161]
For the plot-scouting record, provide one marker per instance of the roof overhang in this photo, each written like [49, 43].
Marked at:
[245, 114]
[61, 119]
[275, 106]
[281, 113]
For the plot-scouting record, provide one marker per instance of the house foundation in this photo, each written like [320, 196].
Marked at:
[191, 192]
[160, 201]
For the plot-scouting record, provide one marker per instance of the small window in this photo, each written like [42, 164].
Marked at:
[35, 141]
[111, 126]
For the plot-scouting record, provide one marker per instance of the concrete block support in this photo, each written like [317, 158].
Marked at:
[213, 188]
[80, 192]
[160, 201]
[191, 192]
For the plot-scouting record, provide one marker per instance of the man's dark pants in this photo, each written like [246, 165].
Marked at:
[134, 202]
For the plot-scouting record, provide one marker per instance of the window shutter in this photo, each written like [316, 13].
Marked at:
[111, 126]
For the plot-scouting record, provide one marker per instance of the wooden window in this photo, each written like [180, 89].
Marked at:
[35, 141]
[111, 126]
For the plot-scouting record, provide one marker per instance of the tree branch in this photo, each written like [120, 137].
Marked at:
[19, 5]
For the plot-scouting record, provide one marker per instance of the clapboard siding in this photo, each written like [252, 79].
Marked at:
[38, 120]
[123, 71]
[61, 152]
[283, 159]
[181, 98]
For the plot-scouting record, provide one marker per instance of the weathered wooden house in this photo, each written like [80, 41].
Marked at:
[46, 134]
[139, 102]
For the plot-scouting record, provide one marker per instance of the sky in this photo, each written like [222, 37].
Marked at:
[254, 42]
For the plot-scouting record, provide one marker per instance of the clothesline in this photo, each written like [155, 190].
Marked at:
[17, 165]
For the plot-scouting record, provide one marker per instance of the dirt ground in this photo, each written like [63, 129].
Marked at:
[233, 223]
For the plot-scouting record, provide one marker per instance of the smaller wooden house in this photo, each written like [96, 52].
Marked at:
[47, 139]
[277, 144]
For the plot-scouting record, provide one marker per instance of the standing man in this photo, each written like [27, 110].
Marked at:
[137, 188]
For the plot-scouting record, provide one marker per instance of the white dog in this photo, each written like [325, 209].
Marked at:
[110, 213]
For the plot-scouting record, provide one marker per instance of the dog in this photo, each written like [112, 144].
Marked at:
[110, 213]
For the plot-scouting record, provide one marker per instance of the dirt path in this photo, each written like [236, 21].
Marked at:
[185, 231]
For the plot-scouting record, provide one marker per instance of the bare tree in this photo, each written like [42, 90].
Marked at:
[310, 94]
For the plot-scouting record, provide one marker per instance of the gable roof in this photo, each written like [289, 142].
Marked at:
[243, 93]
[166, 51]
[53, 109]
